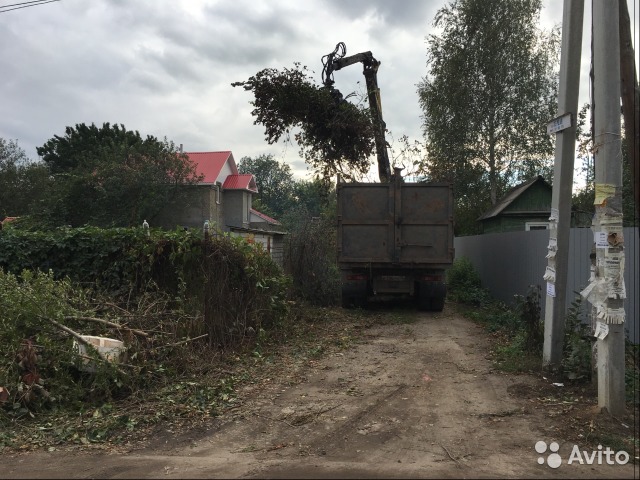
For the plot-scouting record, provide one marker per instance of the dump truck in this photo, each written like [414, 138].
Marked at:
[395, 238]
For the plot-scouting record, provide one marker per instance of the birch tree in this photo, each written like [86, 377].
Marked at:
[488, 95]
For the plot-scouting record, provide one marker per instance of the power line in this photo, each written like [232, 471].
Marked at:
[18, 6]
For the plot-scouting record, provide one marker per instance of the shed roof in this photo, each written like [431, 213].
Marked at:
[511, 196]
[243, 181]
[265, 217]
[210, 164]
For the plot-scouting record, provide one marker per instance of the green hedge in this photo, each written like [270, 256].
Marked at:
[114, 260]
[172, 298]
[239, 283]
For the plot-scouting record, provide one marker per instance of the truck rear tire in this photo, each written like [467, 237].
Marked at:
[437, 304]
[353, 299]
[430, 296]
[424, 304]
[354, 302]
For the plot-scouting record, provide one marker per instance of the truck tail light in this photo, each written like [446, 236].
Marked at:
[432, 278]
[356, 277]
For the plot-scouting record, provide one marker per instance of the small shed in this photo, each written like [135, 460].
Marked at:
[525, 207]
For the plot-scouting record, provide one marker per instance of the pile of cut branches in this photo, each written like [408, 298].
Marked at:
[335, 136]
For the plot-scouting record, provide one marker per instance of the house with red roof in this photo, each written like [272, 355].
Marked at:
[224, 198]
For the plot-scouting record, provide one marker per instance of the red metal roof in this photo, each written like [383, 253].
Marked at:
[241, 182]
[266, 218]
[210, 164]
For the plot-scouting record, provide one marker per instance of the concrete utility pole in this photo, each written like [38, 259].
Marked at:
[607, 291]
[560, 220]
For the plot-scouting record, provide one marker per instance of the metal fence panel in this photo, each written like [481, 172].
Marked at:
[508, 263]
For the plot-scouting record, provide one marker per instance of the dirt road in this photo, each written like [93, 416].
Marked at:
[417, 400]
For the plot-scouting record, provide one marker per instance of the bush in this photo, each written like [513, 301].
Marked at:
[38, 360]
[530, 322]
[310, 258]
[235, 292]
[244, 290]
[464, 285]
[577, 345]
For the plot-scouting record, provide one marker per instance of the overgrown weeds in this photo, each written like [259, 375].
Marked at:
[176, 329]
[464, 285]
[518, 329]
[185, 385]
[310, 259]
[578, 345]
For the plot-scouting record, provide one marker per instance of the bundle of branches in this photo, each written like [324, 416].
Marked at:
[335, 135]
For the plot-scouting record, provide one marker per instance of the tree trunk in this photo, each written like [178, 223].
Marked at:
[493, 180]
[630, 101]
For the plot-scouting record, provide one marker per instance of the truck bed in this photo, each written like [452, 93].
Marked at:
[395, 224]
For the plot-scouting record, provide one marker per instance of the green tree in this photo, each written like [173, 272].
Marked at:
[582, 199]
[488, 95]
[316, 196]
[274, 180]
[110, 176]
[22, 182]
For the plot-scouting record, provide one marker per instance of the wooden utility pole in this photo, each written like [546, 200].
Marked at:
[607, 292]
[560, 220]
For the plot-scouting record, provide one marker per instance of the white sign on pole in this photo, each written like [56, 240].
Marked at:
[559, 123]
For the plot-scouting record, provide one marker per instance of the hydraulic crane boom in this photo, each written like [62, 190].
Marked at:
[336, 61]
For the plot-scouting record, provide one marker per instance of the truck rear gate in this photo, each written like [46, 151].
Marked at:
[399, 235]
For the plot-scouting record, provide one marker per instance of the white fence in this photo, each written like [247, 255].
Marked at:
[509, 262]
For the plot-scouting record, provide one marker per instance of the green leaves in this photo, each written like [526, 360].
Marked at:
[275, 183]
[488, 94]
[334, 135]
[162, 281]
[110, 176]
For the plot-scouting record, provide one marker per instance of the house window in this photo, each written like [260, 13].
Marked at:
[246, 206]
[536, 226]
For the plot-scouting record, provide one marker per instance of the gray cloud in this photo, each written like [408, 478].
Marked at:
[165, 68]
[395, 14]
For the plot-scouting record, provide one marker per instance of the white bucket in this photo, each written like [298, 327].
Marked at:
[108, 348]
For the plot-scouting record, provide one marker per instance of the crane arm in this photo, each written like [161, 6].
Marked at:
[336, 61]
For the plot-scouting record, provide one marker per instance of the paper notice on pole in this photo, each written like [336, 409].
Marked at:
[550, 274]
[596, 292]
[612, 224]
[604, 191]
[613, 264]
[551, 289]
[610, 315]
[601, 239]
[617, 290]
[614, 274]
[588, 292]
[602, 330]
[552, 248]
[555, 215]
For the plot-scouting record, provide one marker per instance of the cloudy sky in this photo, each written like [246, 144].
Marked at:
[165, 68]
